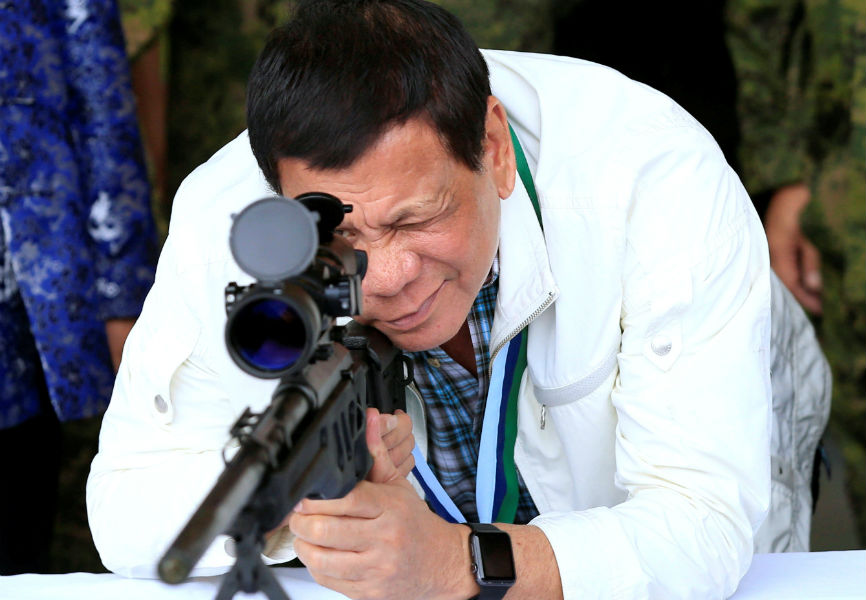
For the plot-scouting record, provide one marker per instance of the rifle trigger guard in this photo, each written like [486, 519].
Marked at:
[408, 370]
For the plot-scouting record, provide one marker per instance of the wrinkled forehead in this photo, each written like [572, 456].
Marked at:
[408, 164]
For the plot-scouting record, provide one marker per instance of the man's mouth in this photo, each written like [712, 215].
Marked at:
[413, 319]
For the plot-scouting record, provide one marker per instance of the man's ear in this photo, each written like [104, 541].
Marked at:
[498, 151]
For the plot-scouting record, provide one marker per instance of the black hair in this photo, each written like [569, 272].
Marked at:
[332, 81]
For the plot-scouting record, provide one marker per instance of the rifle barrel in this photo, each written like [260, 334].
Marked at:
[232, 491]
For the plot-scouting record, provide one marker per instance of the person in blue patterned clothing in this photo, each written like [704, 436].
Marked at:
[77, 243]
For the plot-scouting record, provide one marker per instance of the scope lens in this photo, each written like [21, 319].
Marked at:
[269, 334]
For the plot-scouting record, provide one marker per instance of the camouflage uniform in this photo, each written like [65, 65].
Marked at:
[802, 106]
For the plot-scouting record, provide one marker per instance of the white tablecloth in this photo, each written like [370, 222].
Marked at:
[795, 576]
[89, 586]
[805, 576]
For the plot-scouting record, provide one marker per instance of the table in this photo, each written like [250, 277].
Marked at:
[89, 586]
[792, 576]
[805, 576]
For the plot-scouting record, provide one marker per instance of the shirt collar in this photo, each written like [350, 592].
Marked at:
[493, 275]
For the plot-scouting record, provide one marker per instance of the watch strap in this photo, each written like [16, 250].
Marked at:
[482, 527]
[488, 591]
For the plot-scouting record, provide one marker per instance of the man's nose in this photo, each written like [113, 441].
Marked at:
[390, 267]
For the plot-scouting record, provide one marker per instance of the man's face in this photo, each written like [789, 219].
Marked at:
[429, 226]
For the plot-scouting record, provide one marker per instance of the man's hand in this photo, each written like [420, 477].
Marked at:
[793, 257]
[390, 440]
[116, 330]
[382, 541]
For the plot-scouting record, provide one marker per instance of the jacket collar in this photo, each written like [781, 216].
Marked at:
[526, 283]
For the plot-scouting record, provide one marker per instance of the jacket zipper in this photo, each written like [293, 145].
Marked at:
[508, 338]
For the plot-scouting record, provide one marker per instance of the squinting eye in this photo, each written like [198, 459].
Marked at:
[414, 226]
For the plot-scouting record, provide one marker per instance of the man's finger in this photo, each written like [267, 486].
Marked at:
[362, 502]
[810, 265]
[401, 429]
[402, 451]
[810, 301]
[405, 467]
[383, 469]
[809, 287]
[340, 533]
[388, 425]
[329, 567]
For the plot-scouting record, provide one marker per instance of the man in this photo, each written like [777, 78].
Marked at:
[640, 284]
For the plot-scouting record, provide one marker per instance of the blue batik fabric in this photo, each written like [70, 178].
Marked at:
[78, 241]
[454, 403]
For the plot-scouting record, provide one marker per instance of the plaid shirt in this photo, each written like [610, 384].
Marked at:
[455, 402]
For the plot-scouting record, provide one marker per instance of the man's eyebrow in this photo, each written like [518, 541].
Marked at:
[436, 203]
[410, 209]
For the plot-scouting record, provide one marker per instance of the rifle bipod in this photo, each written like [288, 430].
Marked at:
[249, 574]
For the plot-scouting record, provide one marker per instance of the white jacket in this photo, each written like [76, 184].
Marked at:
[648, 294]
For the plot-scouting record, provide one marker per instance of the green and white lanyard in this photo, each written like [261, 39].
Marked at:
[496, 487]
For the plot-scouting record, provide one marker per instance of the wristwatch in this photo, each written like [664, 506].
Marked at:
[492, 560]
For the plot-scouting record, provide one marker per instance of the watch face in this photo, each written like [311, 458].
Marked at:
[494, 551]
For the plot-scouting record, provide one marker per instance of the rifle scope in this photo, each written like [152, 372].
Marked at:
[305, 276]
